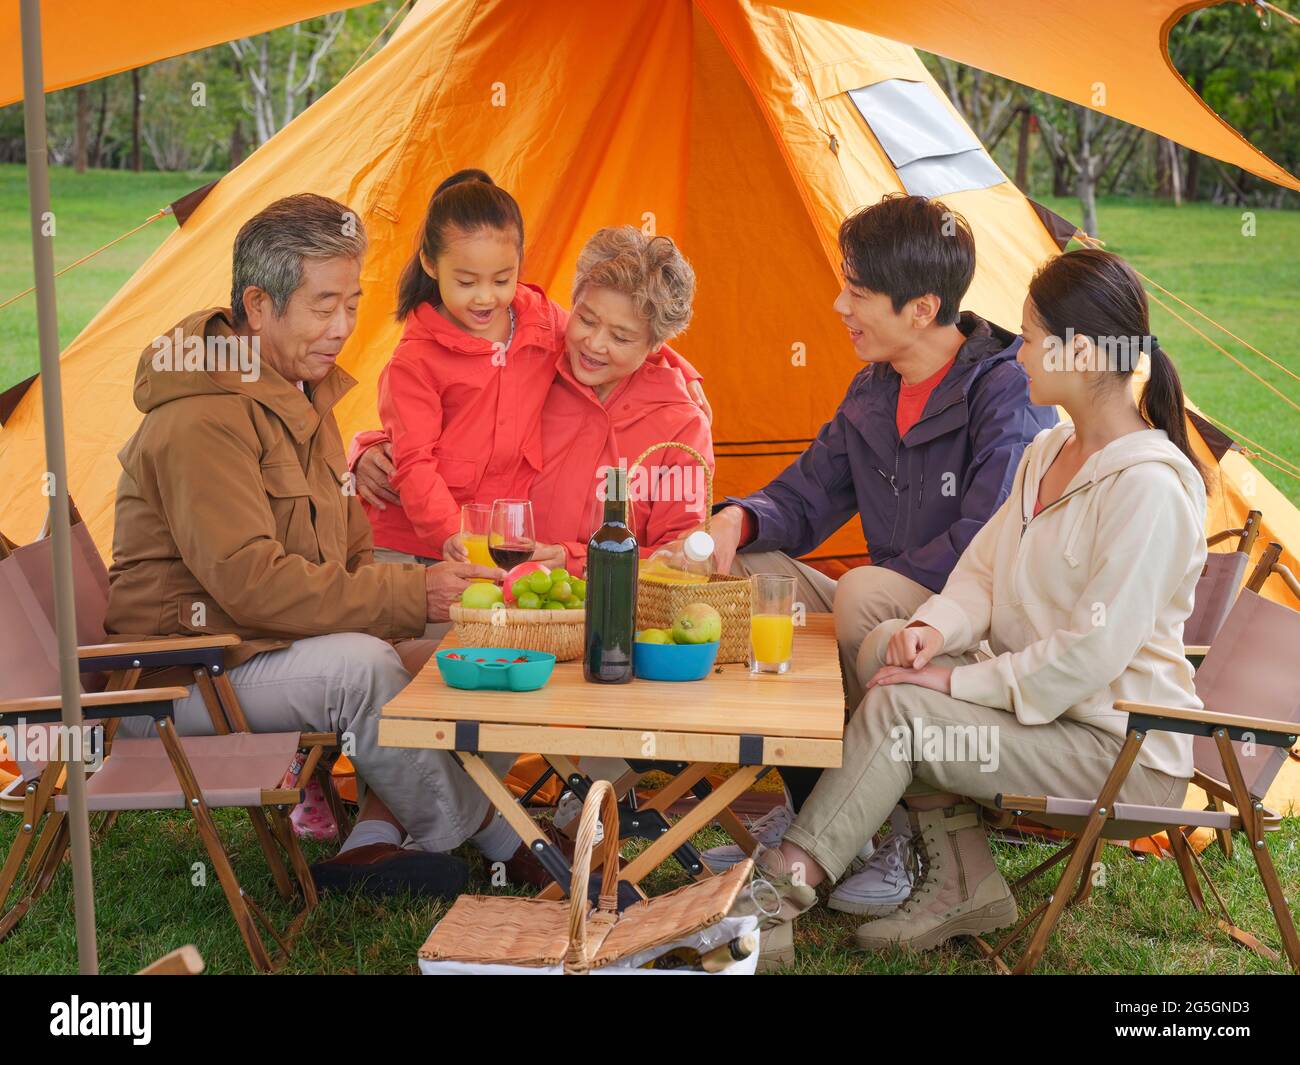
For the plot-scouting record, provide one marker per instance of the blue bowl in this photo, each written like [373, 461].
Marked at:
[494, 668]
[673, 661]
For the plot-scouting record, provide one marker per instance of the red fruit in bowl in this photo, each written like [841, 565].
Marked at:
[521, 570]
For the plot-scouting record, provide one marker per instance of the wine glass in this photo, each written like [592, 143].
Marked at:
[512, 539]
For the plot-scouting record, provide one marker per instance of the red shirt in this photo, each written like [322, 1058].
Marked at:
[913, 398]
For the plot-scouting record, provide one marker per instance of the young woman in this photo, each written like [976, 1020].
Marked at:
[1080, 582]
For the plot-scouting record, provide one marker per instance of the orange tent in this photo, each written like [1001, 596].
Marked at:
[746, 132]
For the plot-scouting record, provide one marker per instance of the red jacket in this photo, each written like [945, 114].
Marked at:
[463, 429]
[582, 436]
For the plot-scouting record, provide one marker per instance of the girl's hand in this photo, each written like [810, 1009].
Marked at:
[454, 550]
[939, 678]
[914, 646]
[552, 556]
[373, 471]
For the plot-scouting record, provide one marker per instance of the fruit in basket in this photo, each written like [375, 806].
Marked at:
[560, 591]
[540, 581]
[517, 580]
[481, 596]
[654, 636]
[697, 623]
[529, 601]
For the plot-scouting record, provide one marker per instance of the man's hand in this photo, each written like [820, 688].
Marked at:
[373, 471]
[444, 581]
[913, 647]
[725, 529]
[937, 677]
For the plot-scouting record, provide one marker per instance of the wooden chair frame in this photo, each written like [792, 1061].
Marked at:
[1252, 820]
[125, 663]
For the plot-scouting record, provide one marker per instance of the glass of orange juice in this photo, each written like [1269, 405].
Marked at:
[475, 521]
[771, 623]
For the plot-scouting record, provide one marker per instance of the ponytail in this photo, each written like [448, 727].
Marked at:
[1162, 404]
[1096, 294]
[467, 201]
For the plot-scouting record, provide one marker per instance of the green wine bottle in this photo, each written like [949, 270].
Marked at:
[612, 559]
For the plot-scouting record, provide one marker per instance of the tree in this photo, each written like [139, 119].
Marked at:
[1086, 145]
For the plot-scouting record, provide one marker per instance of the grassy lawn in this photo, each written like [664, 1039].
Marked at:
[1138, 921]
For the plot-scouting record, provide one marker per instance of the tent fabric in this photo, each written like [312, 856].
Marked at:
[724, 124]
[1069, 50]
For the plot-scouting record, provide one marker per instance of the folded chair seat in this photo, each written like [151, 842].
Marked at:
[1131, 820]
[231, 770]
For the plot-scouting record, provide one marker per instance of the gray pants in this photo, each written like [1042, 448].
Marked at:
[340, 683]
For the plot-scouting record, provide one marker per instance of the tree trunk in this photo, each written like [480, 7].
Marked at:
[1175, 175]
[1162, 169]
[81, 145]
[1089, 164]
[135, 120]
[238, 145]
[1193, 176]
[1022, 151]
[97, 147]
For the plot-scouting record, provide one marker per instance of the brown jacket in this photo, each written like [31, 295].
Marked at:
[232, 513]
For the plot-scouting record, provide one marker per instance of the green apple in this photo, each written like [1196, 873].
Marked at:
[653, 636]
[481, 597]
[539, 582]
[697, 623]
[529, 601]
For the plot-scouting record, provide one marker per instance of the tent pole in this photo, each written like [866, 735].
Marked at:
[38, 195]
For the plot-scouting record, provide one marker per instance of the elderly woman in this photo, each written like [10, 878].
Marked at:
[617, 390]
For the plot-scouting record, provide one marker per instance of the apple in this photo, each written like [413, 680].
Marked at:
[521, 571]
[697, 623]
[480, 597]
[653, 636]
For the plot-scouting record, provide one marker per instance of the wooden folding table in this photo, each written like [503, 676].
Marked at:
[732, 717]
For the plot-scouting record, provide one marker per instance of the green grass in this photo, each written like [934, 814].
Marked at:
[1138, 921]
[1197, 251]
[89, 210]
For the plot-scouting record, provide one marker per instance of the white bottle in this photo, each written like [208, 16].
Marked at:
[685, 561]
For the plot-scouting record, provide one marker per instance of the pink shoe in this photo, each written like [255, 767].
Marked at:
[312, 818]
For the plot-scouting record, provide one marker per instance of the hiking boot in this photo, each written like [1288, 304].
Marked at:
[882, 884]
[387, 869]
[776, 899]
[959, 891]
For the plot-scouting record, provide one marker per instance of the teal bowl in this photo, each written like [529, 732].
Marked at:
[673, 661]
[503, 669]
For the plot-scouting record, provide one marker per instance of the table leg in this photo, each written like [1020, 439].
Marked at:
[692, 821]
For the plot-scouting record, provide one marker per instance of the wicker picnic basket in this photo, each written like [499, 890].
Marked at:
[556, 631]
[657, 603]
[497, 931]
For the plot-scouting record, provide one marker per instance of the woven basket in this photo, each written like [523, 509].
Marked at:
[556, 631]
[658, 603]
[539, 933]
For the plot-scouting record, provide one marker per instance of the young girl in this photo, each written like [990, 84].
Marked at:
[1080, 582]
[462, 398]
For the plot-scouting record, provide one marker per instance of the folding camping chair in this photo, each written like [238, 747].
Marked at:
[231, 768]
[1217, 588]
[1247, 682]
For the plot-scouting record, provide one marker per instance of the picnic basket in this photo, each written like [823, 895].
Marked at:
[556, 631]
[658, 603]
[505, 934]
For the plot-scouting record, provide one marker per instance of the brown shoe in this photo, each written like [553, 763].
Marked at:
[387, 869]
[523, 867]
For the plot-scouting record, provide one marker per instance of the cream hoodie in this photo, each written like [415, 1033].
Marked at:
[1084, 603]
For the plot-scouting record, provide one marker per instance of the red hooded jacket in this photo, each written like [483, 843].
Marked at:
[582, 437]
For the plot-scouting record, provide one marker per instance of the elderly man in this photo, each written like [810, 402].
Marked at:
[235, 513]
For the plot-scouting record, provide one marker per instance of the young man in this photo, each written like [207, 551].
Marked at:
[923, 448]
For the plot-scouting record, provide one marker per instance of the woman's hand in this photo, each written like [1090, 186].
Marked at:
[373, 471]
[552, 556]
[914, 646]
[454, 549]
[937, 677]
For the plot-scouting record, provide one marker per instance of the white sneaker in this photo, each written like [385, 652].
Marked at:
[767, 830]
[567, 812]
[883, 884]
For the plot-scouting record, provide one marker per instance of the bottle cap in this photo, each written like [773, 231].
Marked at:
[698, 546]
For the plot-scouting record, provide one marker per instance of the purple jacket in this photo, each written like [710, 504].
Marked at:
[923, 498]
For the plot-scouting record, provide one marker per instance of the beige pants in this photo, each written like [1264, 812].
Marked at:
[865, 598]
[340, 683]
[907, 738]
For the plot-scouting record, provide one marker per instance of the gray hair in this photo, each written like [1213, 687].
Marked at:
[651, 271]
[271, 246]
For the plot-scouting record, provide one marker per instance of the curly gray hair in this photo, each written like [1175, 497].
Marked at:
[650, 271]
